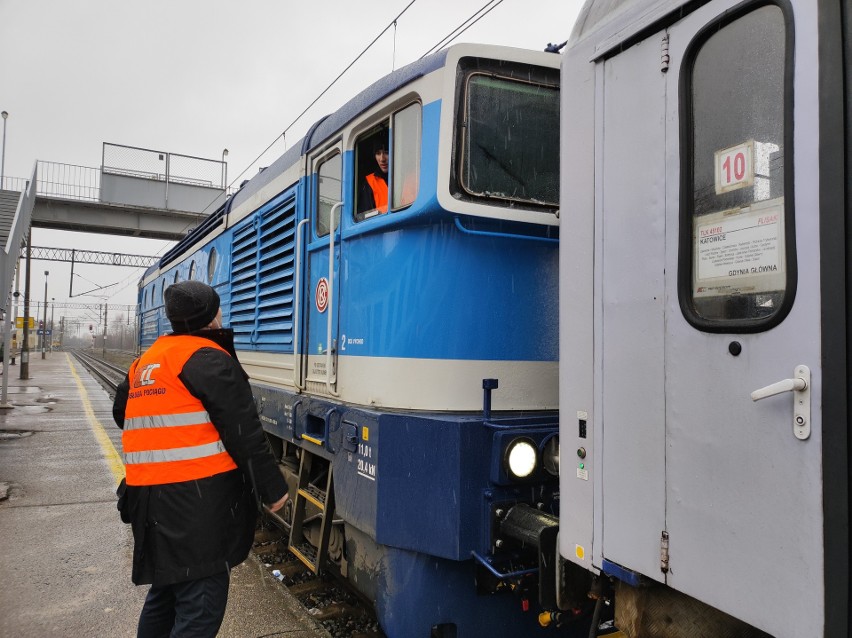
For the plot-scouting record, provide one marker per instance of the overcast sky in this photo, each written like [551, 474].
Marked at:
[197, 76]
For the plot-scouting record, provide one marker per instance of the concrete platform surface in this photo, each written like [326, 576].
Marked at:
[65, 555]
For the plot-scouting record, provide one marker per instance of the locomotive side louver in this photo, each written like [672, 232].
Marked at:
[262, 276]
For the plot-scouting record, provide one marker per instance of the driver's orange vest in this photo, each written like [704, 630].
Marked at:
[380, 191]
[168, 436]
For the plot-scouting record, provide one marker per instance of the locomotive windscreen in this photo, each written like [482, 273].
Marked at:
[509, 142]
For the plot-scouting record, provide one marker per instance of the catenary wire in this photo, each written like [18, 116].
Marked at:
[455, 33]
[392, 23]
[326, 89]
[464, 26]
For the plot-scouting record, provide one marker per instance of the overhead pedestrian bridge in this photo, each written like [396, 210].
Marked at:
[136, 192]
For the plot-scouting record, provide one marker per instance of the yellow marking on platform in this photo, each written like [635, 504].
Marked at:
[113, 458]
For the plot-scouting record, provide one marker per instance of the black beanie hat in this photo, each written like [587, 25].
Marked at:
[190, 306]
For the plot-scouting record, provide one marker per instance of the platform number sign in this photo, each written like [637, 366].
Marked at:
[734, 167]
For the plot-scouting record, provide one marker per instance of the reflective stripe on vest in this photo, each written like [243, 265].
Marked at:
[176, 454]
[168, 436]
[166, 420]
[380, 191]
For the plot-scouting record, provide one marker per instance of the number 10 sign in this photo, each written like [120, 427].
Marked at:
[734, 167]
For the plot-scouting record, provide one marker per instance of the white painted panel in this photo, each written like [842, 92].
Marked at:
[576, 311]
[632, 419]
[422, 384]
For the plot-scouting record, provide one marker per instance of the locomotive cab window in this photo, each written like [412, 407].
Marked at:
[212, 259]
[737, 271]
[387, 160]
[507, 151]
[328, 192]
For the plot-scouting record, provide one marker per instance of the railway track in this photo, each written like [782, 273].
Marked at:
[331, 602]
[108, 374]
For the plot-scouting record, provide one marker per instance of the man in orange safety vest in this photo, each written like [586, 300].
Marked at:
[374, 190]
[197, 466]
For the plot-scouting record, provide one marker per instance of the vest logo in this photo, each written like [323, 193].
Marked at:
[143, 376]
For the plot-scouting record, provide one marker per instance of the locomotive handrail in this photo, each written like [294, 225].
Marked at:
[502, 576]
[513, 423]
[490, 233]
[297, 351]
[331, 349]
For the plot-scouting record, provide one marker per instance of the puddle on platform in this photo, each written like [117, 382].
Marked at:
[30, 399]
[10, 491]
[32, 409]
[6, 435]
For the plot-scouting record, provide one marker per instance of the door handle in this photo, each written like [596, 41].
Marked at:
[800, 386]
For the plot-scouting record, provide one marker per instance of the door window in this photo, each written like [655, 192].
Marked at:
[328, 192]
[405, 156]
[738, 263]
[388, 164]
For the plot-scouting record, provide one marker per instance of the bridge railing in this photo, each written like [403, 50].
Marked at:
[60, 180]
[68, 181]
[83, 183]
[146, 163]
[13, 184]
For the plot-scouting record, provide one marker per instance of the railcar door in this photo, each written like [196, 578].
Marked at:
[319, 345]
[711, 306]
[743, 454]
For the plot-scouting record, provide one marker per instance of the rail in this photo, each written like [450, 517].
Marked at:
[108, 374]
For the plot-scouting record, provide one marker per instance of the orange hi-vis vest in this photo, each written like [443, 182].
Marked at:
[168, 436]
[380, 191]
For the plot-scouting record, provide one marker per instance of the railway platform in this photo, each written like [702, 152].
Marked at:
[65, 557]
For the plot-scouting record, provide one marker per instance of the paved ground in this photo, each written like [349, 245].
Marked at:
[64, 554]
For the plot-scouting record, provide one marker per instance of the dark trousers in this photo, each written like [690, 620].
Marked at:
[193, 609]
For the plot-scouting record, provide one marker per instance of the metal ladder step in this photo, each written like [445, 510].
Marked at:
[314, 494]
[312, 469]
[306, 553]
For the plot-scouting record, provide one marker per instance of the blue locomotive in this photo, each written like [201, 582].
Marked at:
[403, 351]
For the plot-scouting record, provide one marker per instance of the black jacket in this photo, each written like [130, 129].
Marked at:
[193, 529]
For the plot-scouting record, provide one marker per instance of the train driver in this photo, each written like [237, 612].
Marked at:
[374, 188]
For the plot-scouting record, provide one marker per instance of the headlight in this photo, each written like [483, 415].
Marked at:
[521, 458]
[550, 455]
